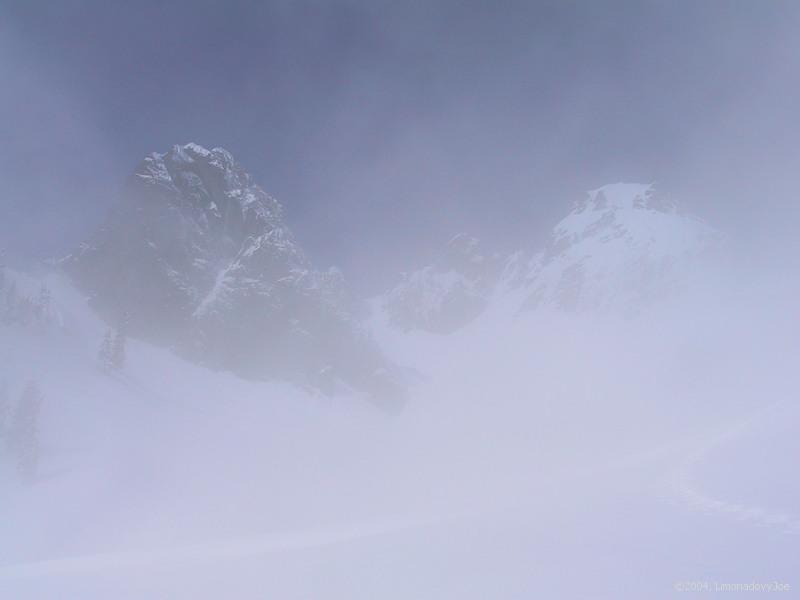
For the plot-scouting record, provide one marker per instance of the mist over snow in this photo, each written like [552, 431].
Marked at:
[508, 328]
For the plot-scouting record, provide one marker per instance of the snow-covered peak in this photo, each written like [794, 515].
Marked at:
[626, 214]
[618, 205]
[624, 245]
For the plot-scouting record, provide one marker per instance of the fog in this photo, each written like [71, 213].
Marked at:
[597, 399]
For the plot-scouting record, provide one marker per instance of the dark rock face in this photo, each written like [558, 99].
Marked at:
[200, 259]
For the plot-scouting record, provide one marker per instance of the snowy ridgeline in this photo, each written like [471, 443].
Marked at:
[620, 250]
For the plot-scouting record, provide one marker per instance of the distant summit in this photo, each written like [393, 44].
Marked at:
[622, 248]
[448, 293]
[199, 257]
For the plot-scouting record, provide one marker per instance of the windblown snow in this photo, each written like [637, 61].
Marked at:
[599, 418]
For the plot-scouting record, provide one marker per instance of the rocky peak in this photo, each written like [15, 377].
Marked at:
[200, 258]
[210, 188]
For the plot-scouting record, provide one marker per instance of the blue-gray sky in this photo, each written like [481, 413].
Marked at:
[385, 127]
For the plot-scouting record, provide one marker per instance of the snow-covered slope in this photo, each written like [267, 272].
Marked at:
[534, 450]
[198, 257]
[127, 454]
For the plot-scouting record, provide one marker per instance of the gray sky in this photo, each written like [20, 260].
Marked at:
[385, 127]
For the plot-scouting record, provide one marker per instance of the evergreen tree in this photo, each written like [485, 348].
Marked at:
[118, 350]
[42, 304]
[104, 355]
[119, 342]
[23, 434]
[4, 410]
[112, 351]
[24, 310]
[10, 308]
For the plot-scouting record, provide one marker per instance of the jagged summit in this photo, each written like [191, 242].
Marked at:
[211, 183]
[200, 258]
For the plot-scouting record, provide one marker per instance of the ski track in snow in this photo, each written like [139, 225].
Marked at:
[682, 482]
[682, 488]
[699, 501]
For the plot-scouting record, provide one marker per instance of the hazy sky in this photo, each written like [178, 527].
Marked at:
[385, 127]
